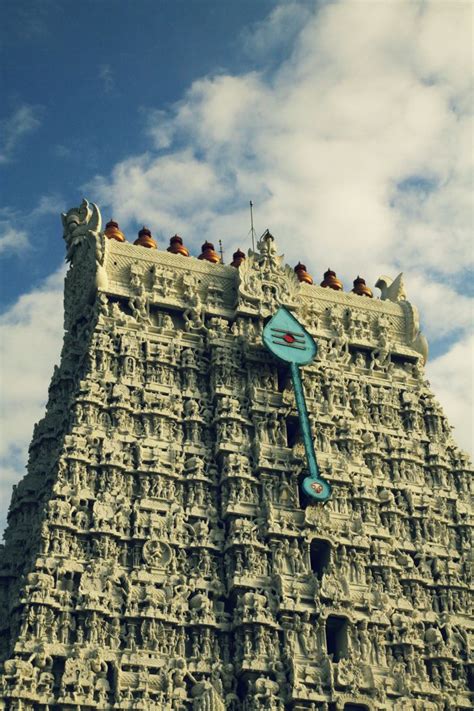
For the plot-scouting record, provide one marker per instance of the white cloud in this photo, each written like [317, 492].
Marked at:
[107, 78]
[30, 342]
[19, 124]
[444, 311]
[62, 151]
[277, 31]
[50, 204]
[15, 240]
[159, 128]
[330, 145]
[11, 238]
[451, 376]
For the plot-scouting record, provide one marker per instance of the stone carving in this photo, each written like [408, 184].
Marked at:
[79, 223]
[159, 554]
[416, 339]
[391, 289]
[85, 249]
[265, 281]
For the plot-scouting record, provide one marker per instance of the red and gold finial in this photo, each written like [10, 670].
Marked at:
[361, 288]
[238, 258]
[208, 252]
[145, 239]
[331, 281]
[112, 231]
[177, 246]
[302, 274]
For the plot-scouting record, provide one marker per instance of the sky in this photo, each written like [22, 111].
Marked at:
[347, 123]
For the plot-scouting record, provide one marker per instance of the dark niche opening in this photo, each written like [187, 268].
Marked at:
[336, 637]
[284, 379]
[292, 431]
[355, 707]
[320, 555]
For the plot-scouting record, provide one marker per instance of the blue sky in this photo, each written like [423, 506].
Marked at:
[78, 81]
[348, 123]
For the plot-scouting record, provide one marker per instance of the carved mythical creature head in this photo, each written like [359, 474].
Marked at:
[78, 222]
[75, 217]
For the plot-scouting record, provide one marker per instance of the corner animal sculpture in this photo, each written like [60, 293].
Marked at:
[391, 289]
[286, 338]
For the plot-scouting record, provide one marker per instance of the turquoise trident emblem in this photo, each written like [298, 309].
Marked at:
[286, 338]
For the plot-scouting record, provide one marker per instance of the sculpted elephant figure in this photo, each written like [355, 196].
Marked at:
[102, 514]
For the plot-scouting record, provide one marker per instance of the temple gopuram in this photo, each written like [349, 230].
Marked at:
[162, 552]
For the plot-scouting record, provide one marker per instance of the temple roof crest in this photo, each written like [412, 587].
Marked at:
[265, 281]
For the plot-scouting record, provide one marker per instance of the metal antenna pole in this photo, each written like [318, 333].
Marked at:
[221, 251]
[251, 226]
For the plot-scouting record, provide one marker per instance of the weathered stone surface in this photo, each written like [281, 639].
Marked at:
[159, 554]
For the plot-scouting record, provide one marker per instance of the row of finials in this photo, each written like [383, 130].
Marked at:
[145, 239]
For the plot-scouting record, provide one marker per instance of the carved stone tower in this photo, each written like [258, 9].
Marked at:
[160, 553]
